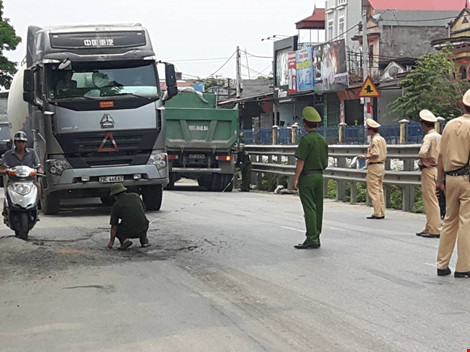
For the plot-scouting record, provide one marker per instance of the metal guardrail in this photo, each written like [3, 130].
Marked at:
[279, 160]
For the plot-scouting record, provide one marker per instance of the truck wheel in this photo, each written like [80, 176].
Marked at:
[228, 183]
[217, 183]
[170, 186]
[22, 226]
[50, 203]
[107, 200]
[205, 181]
[152, 196]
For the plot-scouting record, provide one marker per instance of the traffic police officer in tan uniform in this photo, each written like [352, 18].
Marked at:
[454, 163]
[312, 159]
[428, 156]
[376, 156]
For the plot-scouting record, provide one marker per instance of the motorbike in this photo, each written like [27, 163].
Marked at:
[20, 209]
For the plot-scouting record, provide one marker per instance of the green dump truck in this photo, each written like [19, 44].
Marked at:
[201, 140]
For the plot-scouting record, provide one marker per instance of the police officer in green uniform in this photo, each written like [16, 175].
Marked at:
[244, 162]
[312, 159]
[128, 218]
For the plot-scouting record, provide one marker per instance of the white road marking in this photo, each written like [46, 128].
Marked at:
[293, 229]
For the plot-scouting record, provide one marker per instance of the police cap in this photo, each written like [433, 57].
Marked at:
[310, 114]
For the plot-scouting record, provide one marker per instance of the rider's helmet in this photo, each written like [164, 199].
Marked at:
[20, 136]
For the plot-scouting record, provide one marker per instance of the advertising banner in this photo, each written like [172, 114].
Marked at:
[305, 77]
[292, 73]
[329, 61]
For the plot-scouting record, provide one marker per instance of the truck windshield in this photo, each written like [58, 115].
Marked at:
[84, 81]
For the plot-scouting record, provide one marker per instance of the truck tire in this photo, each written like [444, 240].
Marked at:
[205, 181]
[22, 226]
[152, 196]
[228, 183]
[50, 203]
[107, 200]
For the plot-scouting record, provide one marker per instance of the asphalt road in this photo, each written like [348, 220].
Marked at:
[222, 275]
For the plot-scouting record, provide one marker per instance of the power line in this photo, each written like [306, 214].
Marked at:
[205, 59]
[225, 63]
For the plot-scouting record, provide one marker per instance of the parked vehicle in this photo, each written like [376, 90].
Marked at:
[20, 209]
[5, 138]
[201, 140]
[95, 111]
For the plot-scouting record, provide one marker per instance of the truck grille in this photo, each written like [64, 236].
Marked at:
[84, 150]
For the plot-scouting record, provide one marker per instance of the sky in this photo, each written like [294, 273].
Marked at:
[197, 36]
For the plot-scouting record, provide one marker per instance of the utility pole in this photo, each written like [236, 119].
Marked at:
[365, 61]
[239, 75]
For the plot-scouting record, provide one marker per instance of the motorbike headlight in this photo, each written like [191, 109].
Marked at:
[158, 159]
[22, 188]
[57, 166]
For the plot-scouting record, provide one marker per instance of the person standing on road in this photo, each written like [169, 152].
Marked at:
[244, 163]
[454, 163]
[376, 156]
[312, 159]
[428, 157]
[128, 218]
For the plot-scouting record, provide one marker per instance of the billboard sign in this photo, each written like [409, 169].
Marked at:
[305, 77]
[329, 61]
[292, 73]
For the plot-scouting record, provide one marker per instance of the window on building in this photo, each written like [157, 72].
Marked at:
[341, 28]
[342, 2]
[329, 31]
[463, 73]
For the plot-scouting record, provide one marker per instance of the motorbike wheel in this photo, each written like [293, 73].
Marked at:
[22, 230]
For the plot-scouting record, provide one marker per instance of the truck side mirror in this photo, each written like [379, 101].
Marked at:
[28, 86]
[170, 79]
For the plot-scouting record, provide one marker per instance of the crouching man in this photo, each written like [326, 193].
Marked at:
[128, 218]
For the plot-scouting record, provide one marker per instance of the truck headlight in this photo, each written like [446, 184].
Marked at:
[158, 159]
[57, 166]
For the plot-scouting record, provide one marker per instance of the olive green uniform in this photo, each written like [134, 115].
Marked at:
[130, 210]
[313, 149]
[243, 160]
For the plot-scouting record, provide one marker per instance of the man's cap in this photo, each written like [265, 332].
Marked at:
[372, 123]
[427, 116]
[466, 98]
[117, 188]
[20, 136]
[310, 114]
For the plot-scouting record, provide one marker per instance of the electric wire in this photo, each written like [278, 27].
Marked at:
[225, 63]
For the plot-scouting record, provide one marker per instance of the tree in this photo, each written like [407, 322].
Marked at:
[8, 41]
[432, 85]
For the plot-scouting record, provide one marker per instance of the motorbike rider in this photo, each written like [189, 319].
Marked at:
[20, 155]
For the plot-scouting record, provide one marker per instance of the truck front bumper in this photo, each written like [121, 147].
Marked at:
[89, 178]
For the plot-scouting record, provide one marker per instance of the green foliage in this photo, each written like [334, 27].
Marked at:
[432, 85]
[8, 41]
[396, 197]
[361, 192]
[418, 207]
[331, 189]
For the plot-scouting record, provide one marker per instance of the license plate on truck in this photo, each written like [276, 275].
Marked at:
[197, 156]
[111, 179]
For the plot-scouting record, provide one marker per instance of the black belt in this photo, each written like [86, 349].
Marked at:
[459, 172]
[311, 172]
[375, 162]
[422, 167]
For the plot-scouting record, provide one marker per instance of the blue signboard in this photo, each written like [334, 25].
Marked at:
[305, 77]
